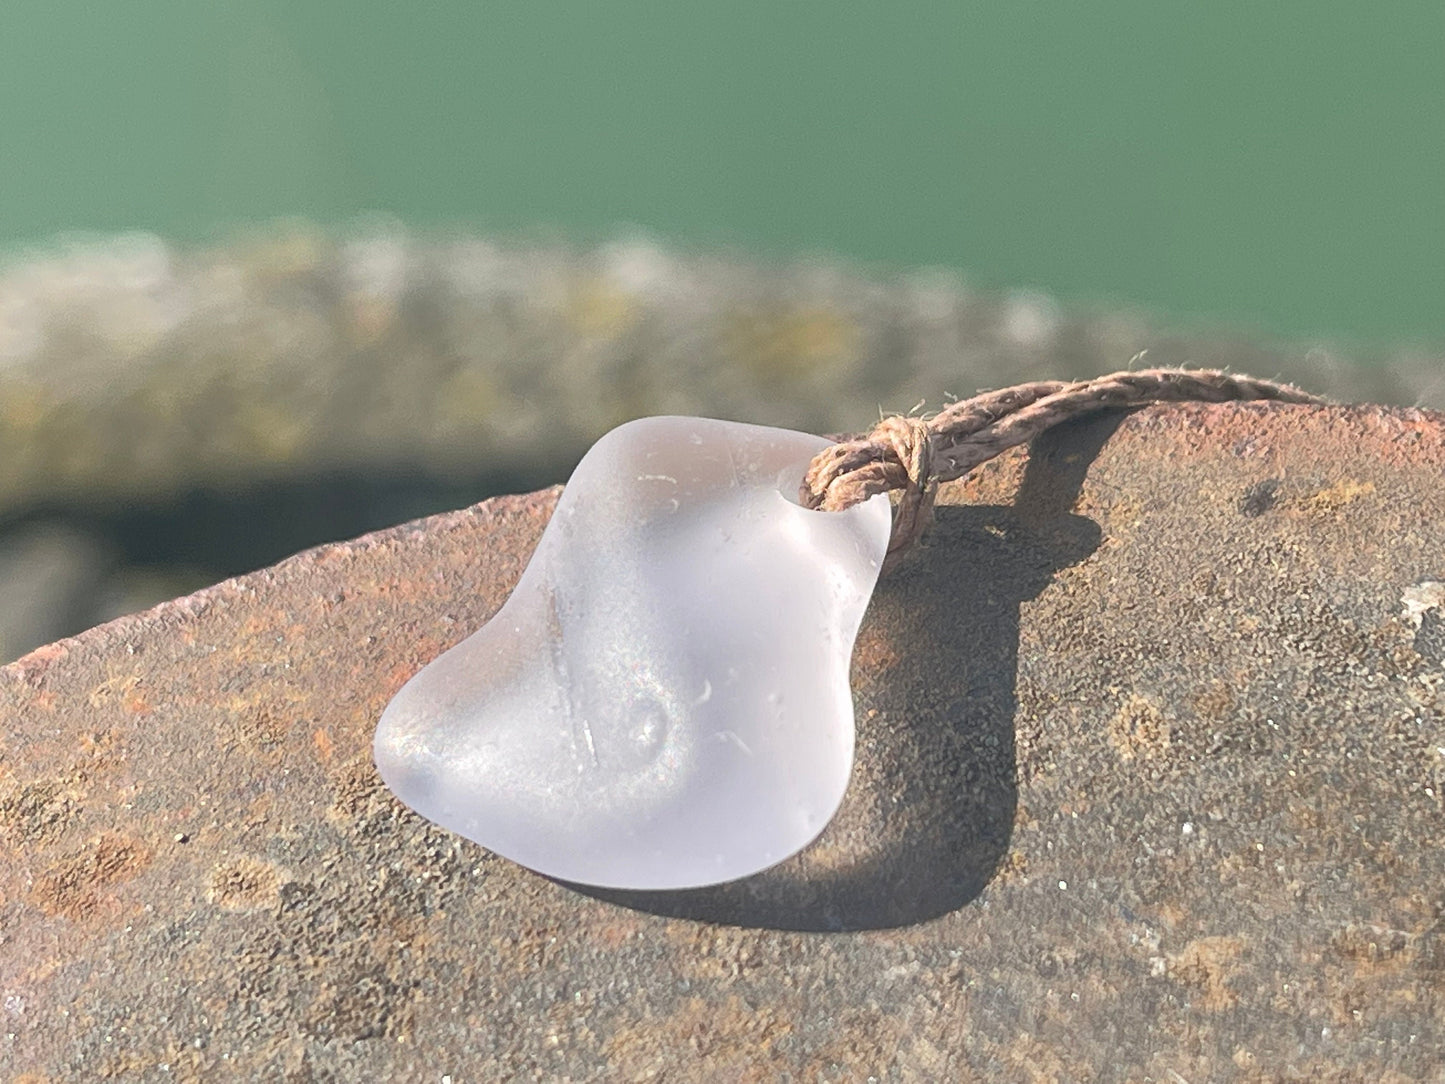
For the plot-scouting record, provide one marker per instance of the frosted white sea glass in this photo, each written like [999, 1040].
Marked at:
[663, 702]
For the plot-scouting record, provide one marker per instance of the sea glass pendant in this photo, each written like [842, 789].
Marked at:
[663, 702]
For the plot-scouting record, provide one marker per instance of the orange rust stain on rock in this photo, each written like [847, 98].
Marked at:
[43, 657]
[358, 790]
[259, 813]
[254, 627]
[115, 689]
[36, 813]
[322, 740]
[1139, 729]
[100, 751]
[1377, 948]
[614, 934]
[1214, 701]
[1014, 865]
[1333, 498]
[260, 728]
[1038, 1061]
[72, 887]
[1205, 965]
[737, 1041]
[244, 884]
[399, 676]
[873, 653]
[97, 743]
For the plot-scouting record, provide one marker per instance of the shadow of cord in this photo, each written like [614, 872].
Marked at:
[929, 811]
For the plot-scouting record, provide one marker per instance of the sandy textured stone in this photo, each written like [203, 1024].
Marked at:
[1151, 756]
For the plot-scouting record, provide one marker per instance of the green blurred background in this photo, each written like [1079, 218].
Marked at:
[1271, 167]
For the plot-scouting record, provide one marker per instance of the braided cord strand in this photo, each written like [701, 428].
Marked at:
[914, 455]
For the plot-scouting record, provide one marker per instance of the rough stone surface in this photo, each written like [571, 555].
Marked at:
[1151, 757]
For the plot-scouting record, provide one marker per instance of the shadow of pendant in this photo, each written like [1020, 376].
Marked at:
[930, 809]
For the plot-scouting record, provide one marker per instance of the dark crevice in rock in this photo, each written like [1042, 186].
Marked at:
[87, 562]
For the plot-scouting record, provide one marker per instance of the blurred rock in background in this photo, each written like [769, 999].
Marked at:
[170, 416]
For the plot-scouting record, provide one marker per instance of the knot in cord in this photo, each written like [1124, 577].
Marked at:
[897, 454]
[900, 452]
[911, 441]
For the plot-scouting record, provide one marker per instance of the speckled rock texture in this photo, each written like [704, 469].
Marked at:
[1149, 788]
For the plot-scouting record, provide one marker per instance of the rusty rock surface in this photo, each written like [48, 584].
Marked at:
[1149, 787]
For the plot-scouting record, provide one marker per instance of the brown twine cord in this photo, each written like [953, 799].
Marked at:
[915, 454]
